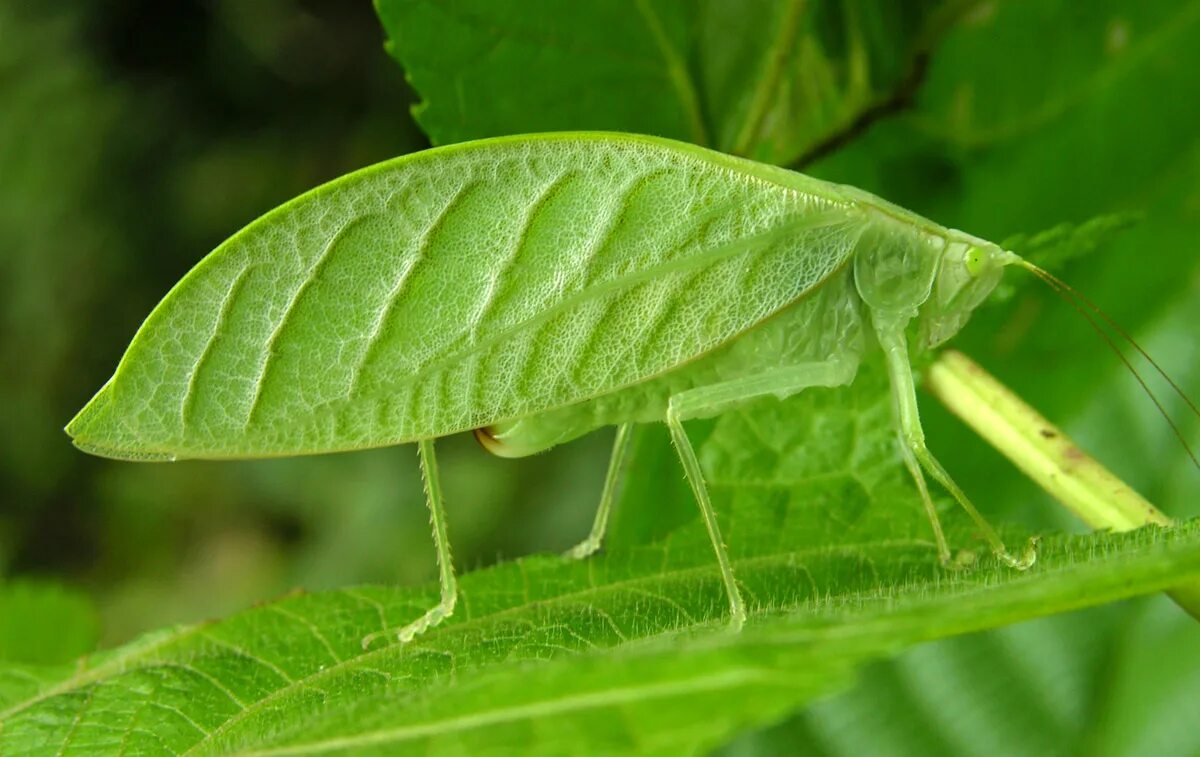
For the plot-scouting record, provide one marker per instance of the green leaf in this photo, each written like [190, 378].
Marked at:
[828, 540]
[829, 543]
[1118, 680]
[622, 650]
[1054, 247]
[44, 623]
[770, 79]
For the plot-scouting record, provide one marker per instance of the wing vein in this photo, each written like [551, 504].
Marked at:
[269, 351]
[510, 261]
[379, 328]
[623, 282]
[572, 370]
[614, 223]
[189, 395]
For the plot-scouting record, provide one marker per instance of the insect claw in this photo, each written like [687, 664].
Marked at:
[582, 550]
[1027, 558]
[370, 638]
[945, 559]
[737, 619]
[964, 559]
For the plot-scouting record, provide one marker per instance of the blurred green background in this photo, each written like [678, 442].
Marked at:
[135, 136]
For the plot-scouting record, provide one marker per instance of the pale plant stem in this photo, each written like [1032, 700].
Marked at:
[1047, 455]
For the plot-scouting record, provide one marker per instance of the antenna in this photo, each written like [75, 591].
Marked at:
[1087, 308]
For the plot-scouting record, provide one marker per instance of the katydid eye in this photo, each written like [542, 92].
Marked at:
[974, 260]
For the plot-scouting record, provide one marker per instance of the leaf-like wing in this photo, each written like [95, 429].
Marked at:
[462, 286]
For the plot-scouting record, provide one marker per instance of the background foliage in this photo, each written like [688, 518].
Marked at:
[127, 155]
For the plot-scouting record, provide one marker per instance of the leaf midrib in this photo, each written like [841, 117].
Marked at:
[542, 708]
[677, 72]
[129, 661]
[912, 620]
[576, 597]
[872, 630]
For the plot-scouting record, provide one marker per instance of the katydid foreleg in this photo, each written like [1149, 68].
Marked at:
[889, 327]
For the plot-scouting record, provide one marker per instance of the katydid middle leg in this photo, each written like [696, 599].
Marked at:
[708, 400]
[612, 480]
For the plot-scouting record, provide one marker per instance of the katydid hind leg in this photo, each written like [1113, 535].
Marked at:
[890, 330]
[708, 400]
[612, 481]
[448, 584]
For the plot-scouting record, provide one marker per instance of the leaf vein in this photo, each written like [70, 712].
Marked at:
[248, 655]
[776, 57]
[211, 679]
[678, 74]
[312, 628]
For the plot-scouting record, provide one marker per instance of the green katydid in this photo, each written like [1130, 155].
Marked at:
[533, 289]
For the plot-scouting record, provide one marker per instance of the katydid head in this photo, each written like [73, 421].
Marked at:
[939, 276]
[967, 273]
